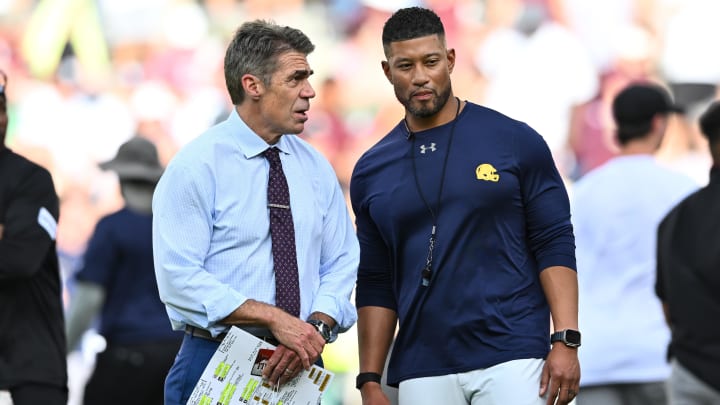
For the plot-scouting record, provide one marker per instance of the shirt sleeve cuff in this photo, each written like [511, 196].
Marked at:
[219, 309]
[557, 260]
[343, 312]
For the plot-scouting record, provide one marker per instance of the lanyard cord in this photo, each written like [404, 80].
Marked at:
[427, 270]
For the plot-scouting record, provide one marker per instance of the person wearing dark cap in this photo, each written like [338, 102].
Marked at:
[616, 209]
[33, 365]
[688, 282]
[637, 108]
[117, 282]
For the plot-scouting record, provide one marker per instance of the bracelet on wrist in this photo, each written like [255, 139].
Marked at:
[363, 378]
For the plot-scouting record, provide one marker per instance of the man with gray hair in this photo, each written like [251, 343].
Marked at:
[250, 226]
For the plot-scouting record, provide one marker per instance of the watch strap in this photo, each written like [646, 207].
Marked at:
[562, 336]
[363, 378]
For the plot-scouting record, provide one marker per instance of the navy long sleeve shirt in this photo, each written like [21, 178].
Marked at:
[502, 218]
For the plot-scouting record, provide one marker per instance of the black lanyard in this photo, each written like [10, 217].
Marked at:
[427, 270]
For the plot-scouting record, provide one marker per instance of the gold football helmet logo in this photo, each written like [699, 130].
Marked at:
[487, 172]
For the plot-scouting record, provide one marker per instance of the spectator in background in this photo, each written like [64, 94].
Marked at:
[33, 364]
[117, 282]
[325, 130]
[592, 132]
[616, 209]
[688, 281]
[548, 96]
[688, 28]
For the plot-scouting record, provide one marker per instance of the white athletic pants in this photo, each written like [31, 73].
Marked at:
[515, 382]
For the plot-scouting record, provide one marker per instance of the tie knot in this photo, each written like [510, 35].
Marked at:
[272, 155]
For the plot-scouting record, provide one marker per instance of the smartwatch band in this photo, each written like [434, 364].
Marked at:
[363, 378]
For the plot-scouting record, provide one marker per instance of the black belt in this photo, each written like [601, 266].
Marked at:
[258, 332]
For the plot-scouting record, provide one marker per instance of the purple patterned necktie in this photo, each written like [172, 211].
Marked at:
[282, 234]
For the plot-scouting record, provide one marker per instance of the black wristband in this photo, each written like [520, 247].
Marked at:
[362, 378]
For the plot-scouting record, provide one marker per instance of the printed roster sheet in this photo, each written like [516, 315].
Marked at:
[234, 376]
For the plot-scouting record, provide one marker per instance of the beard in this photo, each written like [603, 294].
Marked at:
[424, 110]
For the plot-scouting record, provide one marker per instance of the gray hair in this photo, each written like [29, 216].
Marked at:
[255, 49]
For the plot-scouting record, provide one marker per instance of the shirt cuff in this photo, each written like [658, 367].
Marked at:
[344, 313]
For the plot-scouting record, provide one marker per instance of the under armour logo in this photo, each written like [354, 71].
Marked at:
[431, 148]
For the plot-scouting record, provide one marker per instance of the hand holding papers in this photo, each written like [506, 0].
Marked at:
[234, 376]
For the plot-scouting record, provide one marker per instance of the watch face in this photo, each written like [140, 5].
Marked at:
[572, 336]
[323, 328]
[324, 331]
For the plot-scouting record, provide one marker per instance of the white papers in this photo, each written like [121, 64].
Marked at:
[234, 376]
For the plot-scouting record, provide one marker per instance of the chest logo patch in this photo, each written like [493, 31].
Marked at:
[487, 172]
[430, 148]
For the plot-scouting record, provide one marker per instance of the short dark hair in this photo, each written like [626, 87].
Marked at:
[710, 122]
[625, 135]
[255, 48]
[411, 23]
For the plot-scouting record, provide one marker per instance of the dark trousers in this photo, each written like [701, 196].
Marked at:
[131, 374]
[35, 393]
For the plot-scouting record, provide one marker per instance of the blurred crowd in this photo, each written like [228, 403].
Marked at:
[87, 75]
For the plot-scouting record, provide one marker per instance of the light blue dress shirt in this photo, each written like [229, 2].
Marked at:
[211, 233]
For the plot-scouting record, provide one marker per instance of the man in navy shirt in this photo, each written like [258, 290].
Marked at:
[466, 240]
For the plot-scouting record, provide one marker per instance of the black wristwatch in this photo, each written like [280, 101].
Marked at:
[569, 337]
[328, 333]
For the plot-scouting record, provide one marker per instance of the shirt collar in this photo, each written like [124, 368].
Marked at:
[251, 143]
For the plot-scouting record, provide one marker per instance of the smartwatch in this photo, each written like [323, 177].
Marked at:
[569, 337]
[328, 333]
